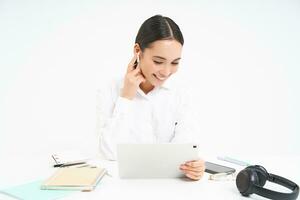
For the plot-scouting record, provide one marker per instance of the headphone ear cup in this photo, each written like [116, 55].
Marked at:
[246, 180]
[262, 174]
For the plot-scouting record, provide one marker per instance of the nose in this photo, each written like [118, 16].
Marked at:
[165, 72]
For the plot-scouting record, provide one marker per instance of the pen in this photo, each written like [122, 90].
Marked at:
[66, 165]
[234, 161]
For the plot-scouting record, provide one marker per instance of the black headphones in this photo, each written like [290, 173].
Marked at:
[252, 179]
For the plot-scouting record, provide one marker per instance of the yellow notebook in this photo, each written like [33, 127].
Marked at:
[85, 178]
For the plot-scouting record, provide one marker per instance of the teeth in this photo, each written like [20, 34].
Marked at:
[162, 79]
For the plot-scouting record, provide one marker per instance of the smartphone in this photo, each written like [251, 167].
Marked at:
[214, 168]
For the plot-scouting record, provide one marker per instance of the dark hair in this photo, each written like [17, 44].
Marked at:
[158, 27]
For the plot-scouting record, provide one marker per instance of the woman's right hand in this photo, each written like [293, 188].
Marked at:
[132, 80]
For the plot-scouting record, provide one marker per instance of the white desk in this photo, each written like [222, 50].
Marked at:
[24, 168]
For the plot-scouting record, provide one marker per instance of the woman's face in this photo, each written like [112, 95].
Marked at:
[160, 60]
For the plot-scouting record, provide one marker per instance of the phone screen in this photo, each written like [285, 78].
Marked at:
[214, 168]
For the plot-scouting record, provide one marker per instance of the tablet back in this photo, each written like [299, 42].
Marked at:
[154, 160]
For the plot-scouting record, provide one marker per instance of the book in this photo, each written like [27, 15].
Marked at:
[72, 178]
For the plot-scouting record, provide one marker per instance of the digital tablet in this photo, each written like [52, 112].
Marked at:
[154, 160]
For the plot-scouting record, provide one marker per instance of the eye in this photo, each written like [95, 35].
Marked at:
[157, 62]
[175, 64]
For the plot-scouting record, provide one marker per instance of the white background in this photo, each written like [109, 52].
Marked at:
[241, 59]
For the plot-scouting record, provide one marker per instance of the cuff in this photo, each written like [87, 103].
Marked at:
[122, 106]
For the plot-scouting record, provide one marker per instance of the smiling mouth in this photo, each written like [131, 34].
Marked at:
[160, 78]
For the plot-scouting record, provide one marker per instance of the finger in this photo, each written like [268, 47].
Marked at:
[196, 178]
[135, 71]
[140, 78]
[192, 177]
[195, 169]
[141, 73]
[195, 163]
[136, 80]
[195, 173]
[198, 175]
[138, 72]
[199, 161]
[131, 64]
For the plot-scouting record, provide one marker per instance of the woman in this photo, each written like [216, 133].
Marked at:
[143, 107]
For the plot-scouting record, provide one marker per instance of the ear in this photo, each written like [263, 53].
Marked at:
[136, 48]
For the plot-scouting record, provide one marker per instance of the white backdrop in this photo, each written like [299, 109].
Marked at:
[241, 59]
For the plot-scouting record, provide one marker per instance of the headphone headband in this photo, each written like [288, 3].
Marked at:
[254, 186]
[278, 195]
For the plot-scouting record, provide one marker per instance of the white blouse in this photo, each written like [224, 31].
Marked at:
[163, 115]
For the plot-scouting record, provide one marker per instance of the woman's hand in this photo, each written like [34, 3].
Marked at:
[133, 79]
[193, 169]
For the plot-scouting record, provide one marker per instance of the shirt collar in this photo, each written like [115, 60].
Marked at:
[168, 85]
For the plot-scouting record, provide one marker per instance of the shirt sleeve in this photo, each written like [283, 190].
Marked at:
[112, 121]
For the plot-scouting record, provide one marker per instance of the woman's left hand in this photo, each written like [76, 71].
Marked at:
[193, 169]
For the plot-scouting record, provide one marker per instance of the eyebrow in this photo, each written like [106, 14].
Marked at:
[165, 58]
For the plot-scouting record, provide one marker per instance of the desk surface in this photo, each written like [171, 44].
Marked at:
[25, 168]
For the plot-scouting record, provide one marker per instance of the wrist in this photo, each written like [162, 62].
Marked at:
[127, 95]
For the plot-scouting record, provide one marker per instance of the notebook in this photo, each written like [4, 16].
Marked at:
[32, 191]
[71, 178]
